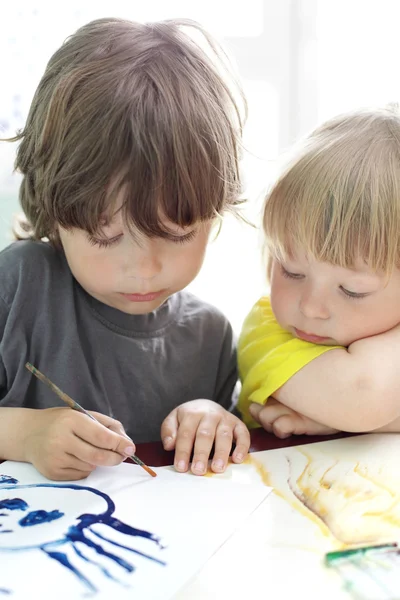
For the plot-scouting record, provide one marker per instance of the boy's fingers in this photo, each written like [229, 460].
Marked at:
[205, 436]
[95, 455]
[72, 462]
[169, 430]
[241, 436]
[100, 437]
[184, 442]
[110, 423]
[223, 445]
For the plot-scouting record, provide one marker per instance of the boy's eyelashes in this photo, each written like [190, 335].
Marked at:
[181, 239]
[107, 242]
[104, 242]
[346, 292]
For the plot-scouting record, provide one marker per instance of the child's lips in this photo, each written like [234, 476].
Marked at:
[309, 337]
[143, 297]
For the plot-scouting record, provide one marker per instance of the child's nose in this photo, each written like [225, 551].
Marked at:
[313, 305]
[144, 262]
[146, 267]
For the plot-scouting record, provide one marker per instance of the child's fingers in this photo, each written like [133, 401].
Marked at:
[169, 430]
[95, 455]
[285, 425]
[241, 435]
[110, 423]
[255, 410]
[100, 437]
[184, 441]
[205, 436]
[223, 445]
[296, 424]
[262, 414]
[268, 415]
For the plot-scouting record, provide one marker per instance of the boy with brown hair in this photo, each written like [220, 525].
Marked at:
[128, 156]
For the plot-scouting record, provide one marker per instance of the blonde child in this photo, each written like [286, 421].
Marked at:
[128, 156]
[320, 354]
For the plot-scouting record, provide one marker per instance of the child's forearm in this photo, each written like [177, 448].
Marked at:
[15, 424]
[392, 427]
[350, 390]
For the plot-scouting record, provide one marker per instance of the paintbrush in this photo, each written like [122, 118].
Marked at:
[368, 572]
[75, 406]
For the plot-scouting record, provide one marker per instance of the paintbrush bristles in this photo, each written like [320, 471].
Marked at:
[149, 470]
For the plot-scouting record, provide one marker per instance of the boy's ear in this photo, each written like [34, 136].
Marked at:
[54, 237]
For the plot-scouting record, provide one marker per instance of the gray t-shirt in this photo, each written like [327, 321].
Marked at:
[135, 368]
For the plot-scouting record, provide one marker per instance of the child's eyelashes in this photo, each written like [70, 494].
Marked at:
[104, 242]
[107, 242]
[290, 275]
[182, 239]
[354, 295]
[345, 291]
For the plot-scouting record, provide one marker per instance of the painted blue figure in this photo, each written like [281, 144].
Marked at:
[25, 527]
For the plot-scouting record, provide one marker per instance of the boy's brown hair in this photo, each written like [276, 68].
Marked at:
[138, 107]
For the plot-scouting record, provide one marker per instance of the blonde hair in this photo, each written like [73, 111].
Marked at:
[139, 107]
[339, 199]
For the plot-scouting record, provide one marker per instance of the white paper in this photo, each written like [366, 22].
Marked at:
[49, 550]
[327, 496]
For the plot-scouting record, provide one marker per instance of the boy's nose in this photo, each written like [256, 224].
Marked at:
[145, 267]
[314, 306]
[143, 261]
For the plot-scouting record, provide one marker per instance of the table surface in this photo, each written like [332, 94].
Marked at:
[279, 550]
[255, 560]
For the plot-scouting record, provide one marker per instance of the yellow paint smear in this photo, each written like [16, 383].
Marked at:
[295, 504]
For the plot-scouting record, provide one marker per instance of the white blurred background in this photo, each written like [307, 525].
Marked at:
[301, 61]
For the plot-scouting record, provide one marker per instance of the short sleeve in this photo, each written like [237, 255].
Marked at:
[268, 357]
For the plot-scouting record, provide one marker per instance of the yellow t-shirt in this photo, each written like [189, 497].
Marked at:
[268, 356]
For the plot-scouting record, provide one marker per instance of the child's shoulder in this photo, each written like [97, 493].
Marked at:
[261, 323]
[202, 313]
[25, 265]
[261, 313]
[24, 255]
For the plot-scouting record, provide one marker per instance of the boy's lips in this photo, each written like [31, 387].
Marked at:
[309, 337]
[143, 297]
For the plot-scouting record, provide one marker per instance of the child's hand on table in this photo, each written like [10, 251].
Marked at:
[283, 422]
[196, 426]
[64, 444]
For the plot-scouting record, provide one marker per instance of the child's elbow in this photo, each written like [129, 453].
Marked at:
[373, 406]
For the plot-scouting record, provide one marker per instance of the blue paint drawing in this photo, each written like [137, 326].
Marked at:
[7, 479]
[24, 528]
